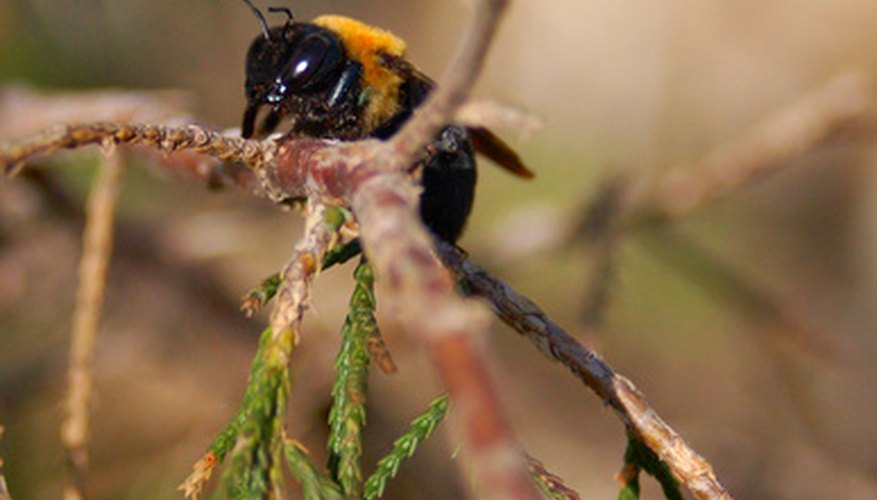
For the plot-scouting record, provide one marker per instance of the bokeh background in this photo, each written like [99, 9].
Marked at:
[630, 84]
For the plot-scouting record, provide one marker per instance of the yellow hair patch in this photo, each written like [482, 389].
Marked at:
[365, 44]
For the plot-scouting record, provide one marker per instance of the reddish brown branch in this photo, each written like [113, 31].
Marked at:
[422, 293]
[641, 420]
[371, 179]
[442, 105]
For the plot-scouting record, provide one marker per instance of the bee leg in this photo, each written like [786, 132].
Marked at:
[269, 123]
[249, 122]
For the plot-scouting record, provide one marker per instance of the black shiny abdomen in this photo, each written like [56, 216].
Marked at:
[448, 181]
[449, 175]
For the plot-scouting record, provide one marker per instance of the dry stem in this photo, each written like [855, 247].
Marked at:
[553, 483]
[293, 296]
[642, 421]
[846, 100]
[4, 490]
[24, 110]
[165, 138]
[96, 250]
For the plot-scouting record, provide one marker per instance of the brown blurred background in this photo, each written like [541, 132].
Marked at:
[635, 84]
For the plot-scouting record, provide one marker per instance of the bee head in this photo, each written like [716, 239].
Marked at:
[289, 62]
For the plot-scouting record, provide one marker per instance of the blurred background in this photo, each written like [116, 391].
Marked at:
[783, 405]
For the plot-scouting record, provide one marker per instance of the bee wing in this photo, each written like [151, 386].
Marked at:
[488, 144]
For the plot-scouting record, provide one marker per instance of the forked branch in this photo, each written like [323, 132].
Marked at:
[642, 422]
[370, 177]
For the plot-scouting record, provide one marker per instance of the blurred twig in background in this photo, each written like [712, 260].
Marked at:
[4, 490]
[628, 205]
[808, 123]
[96, 250]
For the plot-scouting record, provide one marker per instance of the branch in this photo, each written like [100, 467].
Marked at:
[442, 105]
[550, 484]
[165, 138]
[641, 420]
[293, 296]
[370, 175]
[767, 147]
[96, 249]
[4, 490]
[24, 110]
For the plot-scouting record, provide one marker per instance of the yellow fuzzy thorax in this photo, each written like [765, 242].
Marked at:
[365, 44]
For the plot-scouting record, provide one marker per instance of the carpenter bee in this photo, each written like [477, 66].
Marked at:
[338, 78]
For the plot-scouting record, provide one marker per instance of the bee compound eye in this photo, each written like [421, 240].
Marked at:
[314, 63]
[306, 63]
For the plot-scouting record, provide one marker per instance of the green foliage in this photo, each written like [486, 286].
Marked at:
[335, 217]
[347, 415]
[253, 439]
[630, 491]
[225, 440]
[315, 485]
[641, 457]
[421, 428]
[341, 254]
[258, 297]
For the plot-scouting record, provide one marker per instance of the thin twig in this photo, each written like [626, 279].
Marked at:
[721, 280]
[551, 485]
[293, 296]
[641, 420]
[4, 489]
[443, 104]
[254, 465]
[767, 147]
[165, 138]
[495, 115]
[25, 110]
[600, 228]
[96, 249]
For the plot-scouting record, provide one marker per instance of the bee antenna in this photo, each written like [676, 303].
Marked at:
[261, 18]
[289, 17]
